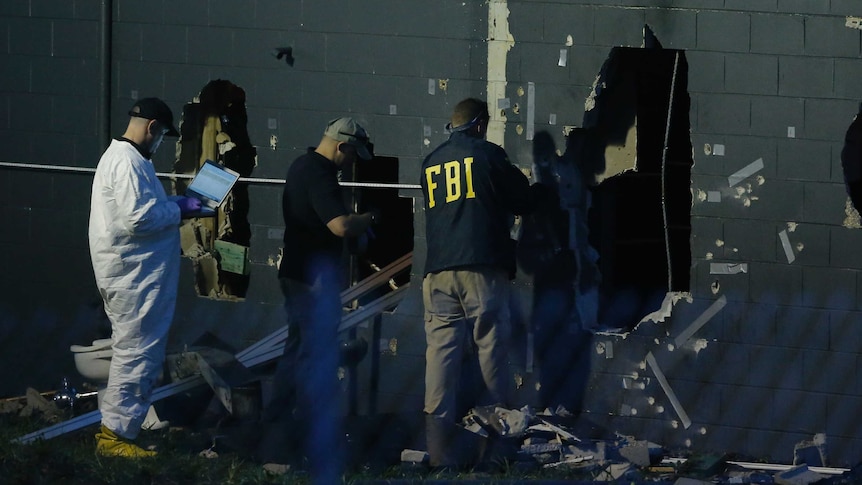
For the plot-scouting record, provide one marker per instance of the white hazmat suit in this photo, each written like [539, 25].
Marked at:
[135, 249]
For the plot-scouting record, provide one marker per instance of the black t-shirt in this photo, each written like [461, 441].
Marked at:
[471, 192]
[311, 198]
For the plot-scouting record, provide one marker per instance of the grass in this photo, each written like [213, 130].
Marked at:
[71, 459]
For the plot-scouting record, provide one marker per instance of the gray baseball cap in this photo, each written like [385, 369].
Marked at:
[347, 130]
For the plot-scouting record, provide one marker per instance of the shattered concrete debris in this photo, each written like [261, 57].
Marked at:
[799, 475]
[811, 453]
[414, 456]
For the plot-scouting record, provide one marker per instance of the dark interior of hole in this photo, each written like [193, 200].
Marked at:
[627, 219]
[393, 236]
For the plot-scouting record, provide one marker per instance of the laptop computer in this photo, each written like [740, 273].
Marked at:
[211, 186]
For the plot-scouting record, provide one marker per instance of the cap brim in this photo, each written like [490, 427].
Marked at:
[362, 152]
[172, 132]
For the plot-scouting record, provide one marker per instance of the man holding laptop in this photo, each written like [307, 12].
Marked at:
[135, 250]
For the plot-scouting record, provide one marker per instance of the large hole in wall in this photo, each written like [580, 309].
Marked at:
[214, 127]
[393, 237]
[640, 162]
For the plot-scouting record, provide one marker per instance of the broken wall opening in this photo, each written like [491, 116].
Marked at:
[640, 217]
[213, 127]
[393, 236]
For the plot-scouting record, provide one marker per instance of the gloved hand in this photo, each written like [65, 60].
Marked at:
[188, 204]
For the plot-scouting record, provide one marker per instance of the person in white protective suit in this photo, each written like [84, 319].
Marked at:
[135, 249]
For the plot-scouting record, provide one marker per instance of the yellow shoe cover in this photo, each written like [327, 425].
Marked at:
[109, 444]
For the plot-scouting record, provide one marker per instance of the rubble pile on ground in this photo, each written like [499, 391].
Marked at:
[547, 439]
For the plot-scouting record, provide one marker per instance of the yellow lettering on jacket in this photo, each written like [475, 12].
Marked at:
[454, 178]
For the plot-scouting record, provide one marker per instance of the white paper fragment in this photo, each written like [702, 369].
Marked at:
[677, 406]
[271, 123]
[713, 196]
[393, 109]
[432, 86]
[728, 268]
[700, 321]
[718, 150]
[791, 132]
[504, 103]
[745, 172]
[564, 56]
[785, 243]
[569, 41]
[853, 22]
[426, 130]
[552, 119]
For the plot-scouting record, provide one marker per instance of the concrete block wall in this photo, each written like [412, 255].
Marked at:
[772, 366]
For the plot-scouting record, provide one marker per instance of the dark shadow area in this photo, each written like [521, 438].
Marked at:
[392, 237]
[553, 250]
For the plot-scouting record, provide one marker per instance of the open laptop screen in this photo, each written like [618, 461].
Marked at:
[212, 184]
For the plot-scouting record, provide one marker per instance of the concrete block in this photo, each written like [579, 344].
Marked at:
[674, 28]
[751, 74]
[748, 240]
[723, 31]
[30, 36]
[787, 404]
[798, 75]
[802, 328]
[561, 21]
[527, 24]
[777, 34]
[765, 110]
[585, 62]
[788, 375]
[325, 91]
[722, 113]
[618, 27]
[16, 78]
[539, 64]
[844, 334]
[844, 7]
[817, 376]
[750, 6]
[842, 252]
[802, 7]
[15, 8]
[800, 159]
[774, 283]
[830, 288]
[705, 72]
[75, 114]
[846, 72]
[171, 44]
[827, 36]
[821, 121]
[823, 203]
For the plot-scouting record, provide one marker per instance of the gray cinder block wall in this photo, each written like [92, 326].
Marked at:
[773, 350]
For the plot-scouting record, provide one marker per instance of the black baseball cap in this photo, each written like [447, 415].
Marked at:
[155, 109]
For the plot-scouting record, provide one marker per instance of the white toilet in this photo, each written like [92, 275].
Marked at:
[94, 361]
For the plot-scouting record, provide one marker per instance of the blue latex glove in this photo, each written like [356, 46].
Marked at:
[188, 204]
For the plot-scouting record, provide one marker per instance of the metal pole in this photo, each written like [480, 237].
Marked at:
[105, 75]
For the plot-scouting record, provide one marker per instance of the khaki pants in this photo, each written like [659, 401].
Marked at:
[470, 304]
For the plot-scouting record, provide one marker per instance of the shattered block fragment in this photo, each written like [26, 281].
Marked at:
[811, 453]
[414, 456]
[799, 475]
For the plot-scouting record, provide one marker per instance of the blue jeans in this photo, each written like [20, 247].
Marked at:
[305, 384]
